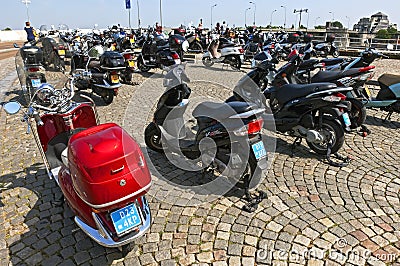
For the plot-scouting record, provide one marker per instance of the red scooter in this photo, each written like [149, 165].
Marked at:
[100, 169]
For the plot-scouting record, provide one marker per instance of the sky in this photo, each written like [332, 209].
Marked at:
[87, 13]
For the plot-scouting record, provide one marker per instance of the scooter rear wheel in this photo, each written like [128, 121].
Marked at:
[207, 61]
[152, 138]
[329, 127]
[358, 113]
[142, 67]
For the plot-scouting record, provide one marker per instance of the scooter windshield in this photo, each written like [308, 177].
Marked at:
[175, 76]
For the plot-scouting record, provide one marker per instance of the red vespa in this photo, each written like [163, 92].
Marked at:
[100, 168]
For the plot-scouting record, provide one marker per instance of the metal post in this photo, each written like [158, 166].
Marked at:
[245, 16]
[161, 24]
[284, 23]
[212, 16]
[270, 23]
[129, 17]
[27, 2]
[255, 10]
[138, 14]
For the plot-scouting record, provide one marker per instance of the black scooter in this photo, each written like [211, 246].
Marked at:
[315, 112]
[237, 150]
[156, 53]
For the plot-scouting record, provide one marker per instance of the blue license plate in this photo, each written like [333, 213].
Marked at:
[346, 119]
[125, 219]
[35, 83]
[259, 150]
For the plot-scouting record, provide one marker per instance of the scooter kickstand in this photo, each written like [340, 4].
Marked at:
[253, 201]
[388, 117]
[296, 142]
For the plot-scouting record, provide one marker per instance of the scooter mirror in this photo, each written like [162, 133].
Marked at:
[15, 45]
[12, 108]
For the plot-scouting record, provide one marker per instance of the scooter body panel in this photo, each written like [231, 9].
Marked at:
[80, 116]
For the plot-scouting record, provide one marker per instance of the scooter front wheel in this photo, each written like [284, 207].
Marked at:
[152, 138]
[108, 97]
[207, 61]
[335, 54]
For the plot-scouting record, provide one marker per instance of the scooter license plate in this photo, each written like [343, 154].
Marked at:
[115, 78]
[35, 83]
[126, 219]
[61, 52]
[132, 40]
[367, 91]
[346, 119]
[131, 63]
[259, 150]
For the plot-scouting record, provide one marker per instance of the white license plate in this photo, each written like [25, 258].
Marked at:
[35, 83]
[259, 150]
[126, 219]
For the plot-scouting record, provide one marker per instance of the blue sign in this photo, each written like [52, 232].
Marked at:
[259, 150]
[128, 4]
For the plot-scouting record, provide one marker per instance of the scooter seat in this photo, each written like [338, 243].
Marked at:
[388, 80]
[224, 45]
[94, 64]
[308, 64]
[163, 47]
[332, 61]
[220, 111]
[329, 76]
[293, 91]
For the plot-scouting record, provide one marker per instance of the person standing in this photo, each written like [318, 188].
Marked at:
[30, 31]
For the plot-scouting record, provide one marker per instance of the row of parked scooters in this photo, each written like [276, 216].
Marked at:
[101, 170]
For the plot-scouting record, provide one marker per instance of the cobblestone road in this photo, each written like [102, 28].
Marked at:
[315, 214]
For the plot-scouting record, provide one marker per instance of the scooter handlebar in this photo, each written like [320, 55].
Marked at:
[39, 121]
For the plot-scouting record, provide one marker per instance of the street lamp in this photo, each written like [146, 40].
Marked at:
[27, 2]
[245, 16]
[270, 23]
[212, 16]
[138, 14]
[333, 15]
[161, 14]
[284, 24]
[348, 22]
[255, 9]
[315, 22]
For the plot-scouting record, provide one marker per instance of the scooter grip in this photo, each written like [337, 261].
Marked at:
[98, 75]
[39, 121]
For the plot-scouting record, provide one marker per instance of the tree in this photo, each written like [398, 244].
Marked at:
[382, 34]
[337, 24]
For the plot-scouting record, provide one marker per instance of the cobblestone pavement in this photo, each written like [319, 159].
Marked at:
[315, 214]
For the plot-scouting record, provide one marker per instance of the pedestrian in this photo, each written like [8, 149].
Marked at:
[30, 32]
[158, 28]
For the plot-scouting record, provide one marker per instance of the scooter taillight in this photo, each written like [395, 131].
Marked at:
[254, 127]
[241, 50]
[365, 69]
[177, 41]
[340, 95]
[61, 47]
[251, 128]
[33, 69]
[127, 56]
[175, 56]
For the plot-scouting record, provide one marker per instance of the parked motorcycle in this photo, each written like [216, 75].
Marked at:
[99, 168]
[156, 53]
[326, 48]
[53, 53]
[230, 54]
[233, 127]
[314, 112]
[104, 67]
[388, 97]
[30, 60]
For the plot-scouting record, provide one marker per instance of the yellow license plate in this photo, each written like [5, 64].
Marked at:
[368, 91]
[115, 78]
[132, 40]
[61, 52]
[131, 63]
